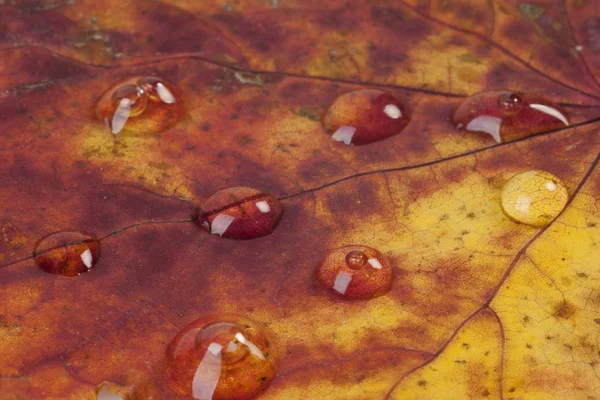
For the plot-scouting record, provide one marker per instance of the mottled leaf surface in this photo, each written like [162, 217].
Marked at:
[480, 307]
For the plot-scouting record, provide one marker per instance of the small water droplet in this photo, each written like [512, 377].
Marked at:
[534, 197]
[508, 116]
[148, 101]
[356, 272]
[356, 259]
[509, 103]
[240, 213]
[365, 116]
[221, 357]
[67, 253]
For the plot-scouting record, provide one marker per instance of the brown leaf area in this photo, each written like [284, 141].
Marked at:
[480, 306]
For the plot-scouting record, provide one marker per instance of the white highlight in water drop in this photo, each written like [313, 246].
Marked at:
[105, 394]
[487, 124]
[220, 224]
[121, 115]
[375, 263]
[344, 134]
[392, 111]
[263, 206]
[522, 204]
[208, 373]
[551, 186]
[550, 111]
[253, 349]
[86, 257]
[342, 280]
[165, 94]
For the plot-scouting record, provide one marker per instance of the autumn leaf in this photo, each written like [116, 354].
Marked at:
[480, 306]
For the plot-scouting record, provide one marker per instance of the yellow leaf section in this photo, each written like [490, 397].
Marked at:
[550, 308]
[136, 160]
[470, 367]
[469, 15]
[457, 69]
[358, 379]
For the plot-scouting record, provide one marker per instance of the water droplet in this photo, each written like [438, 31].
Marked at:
[508, 116]
[509, 103]
[111, 391]
[67, 253]
[365, 116]
[221, 357]
[356, 259]
[534, 198]
[147, 101]
[356, 272]
[240, 213]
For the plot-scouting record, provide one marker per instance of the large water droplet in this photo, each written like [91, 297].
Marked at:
[356, 272]
[139, 99]
[534, 197]
[67, 253]
[507, 116]
[221, 357]
[240, 213]
[365, 116]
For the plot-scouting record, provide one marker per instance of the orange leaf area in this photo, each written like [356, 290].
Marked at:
[480, 306]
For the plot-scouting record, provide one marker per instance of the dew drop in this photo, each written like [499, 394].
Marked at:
[355, 272]
[239, 213]
[143, 104]
[221, 357]
[534, 197]
[507, 116]
[67, 253]
[365, 116]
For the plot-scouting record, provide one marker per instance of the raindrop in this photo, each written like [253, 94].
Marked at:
[355, 272]
[507, 116]
[365, 116]
[67, 253]
[534, 197]
[240, 213]
[149, 102]
[221, 357]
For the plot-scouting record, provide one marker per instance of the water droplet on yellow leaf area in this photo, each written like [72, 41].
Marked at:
[534, 197]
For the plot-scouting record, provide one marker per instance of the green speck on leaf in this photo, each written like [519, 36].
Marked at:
[531, 11]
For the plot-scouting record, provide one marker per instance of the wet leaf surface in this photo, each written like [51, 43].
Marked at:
[480, 306]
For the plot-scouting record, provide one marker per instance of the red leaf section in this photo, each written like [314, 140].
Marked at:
[255, 80]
